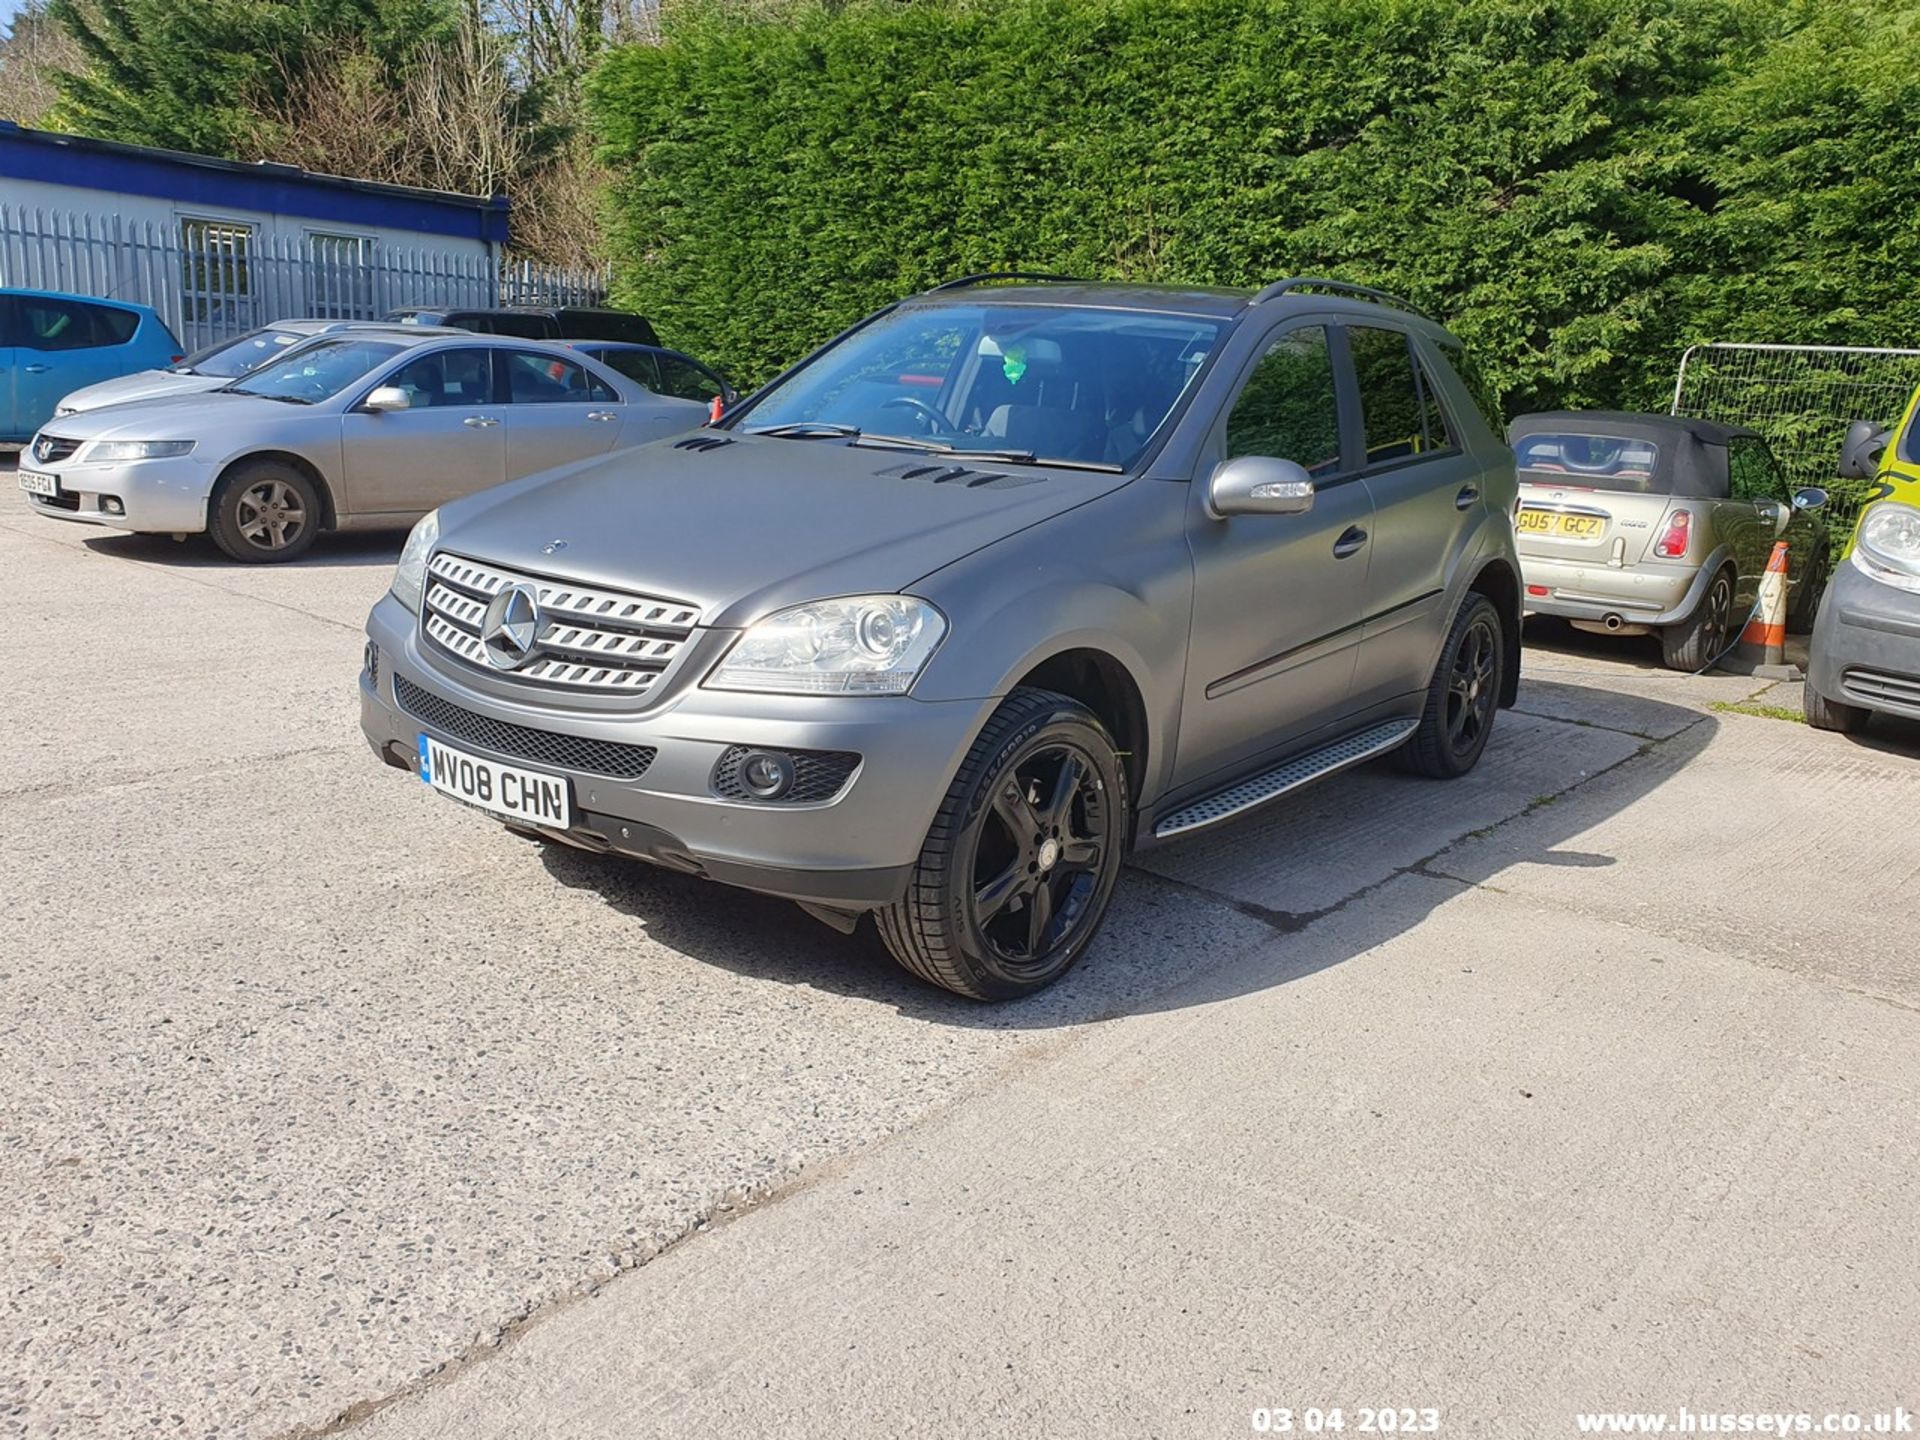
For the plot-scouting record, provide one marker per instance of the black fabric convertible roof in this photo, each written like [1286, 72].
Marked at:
[1692, 454]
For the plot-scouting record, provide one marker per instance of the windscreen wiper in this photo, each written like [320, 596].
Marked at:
[941, 447]
[809, 430]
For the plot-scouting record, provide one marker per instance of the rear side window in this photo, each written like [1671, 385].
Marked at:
[607, 325]
[1611, 462]
[1397, 406]
[48, 324]
[1475, 382]
[534, 379]
[1288, 408]
[634, 364]
[686, 380]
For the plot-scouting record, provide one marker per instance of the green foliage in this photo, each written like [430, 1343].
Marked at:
[198, 75]
[1581, 187]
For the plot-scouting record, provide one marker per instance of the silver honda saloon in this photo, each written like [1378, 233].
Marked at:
[349, 431]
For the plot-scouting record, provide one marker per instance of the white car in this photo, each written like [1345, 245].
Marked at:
[218, 364]
[359, 430]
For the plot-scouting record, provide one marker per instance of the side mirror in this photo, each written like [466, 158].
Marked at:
[386, 399]
[1860, 452]
[1259, 485]
[1809, 497]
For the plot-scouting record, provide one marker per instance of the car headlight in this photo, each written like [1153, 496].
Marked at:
[410, 575]
[110, 451]
[1888, 547]
[861, 645]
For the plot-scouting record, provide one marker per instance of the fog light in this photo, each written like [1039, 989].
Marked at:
[372, 661]
[110, 505]
[765, 774]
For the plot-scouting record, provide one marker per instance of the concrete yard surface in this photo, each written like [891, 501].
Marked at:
[326, 1106]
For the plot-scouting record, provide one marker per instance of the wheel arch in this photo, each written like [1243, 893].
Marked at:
[1102, 682]
[1499, 581]
[329, 512]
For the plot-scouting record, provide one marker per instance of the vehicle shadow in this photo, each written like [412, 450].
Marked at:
[197, 552]
[1167, 941]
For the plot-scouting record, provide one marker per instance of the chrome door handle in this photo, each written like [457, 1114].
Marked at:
[37, 369]
[479, 422]
[601, 415]
[1468, 494]
[1349, 543]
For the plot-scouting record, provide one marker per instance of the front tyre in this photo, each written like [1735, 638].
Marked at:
[1462, 696]
[1017, 870]
[264, 511]
[1825, 714]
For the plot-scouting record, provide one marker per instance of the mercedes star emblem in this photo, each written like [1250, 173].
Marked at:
[510, 627]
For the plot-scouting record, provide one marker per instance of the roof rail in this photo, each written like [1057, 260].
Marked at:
[1339, 287]
[966, 280]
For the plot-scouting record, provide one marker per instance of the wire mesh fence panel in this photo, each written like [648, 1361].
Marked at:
[213, 279]
[1802, 398]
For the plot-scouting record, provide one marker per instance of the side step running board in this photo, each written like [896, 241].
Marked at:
[1236, 799]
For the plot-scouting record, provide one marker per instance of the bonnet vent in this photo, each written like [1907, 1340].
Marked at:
[944, 474]
[704, 442]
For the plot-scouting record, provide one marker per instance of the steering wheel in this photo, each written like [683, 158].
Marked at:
[939, 423]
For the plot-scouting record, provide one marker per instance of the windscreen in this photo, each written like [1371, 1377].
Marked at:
[1603, 462]
[230, 359]
[1035, 382]
[318, 371]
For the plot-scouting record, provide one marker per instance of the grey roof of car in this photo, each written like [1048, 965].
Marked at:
[1645, 425]
[1108, 295]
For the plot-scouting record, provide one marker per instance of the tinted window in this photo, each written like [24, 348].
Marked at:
[1288, 409]
[113, 326]
[1439, 431]
[534, 379]
[686, 380]
[1391, 406]
[45, 324]
[634, 364]
[447, 377]
[1482, 394]
[1751, 472]
[606, 325]
[527, 327]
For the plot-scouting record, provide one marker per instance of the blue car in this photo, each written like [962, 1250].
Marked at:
[51, 344]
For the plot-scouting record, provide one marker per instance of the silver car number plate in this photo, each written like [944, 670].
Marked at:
[38, 482]
[504, 790]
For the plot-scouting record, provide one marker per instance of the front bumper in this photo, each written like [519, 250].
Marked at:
[1865, 648]
[162, 497]
[852, 852]
[1644, 594]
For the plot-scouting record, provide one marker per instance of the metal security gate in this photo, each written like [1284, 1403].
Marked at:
[1802, 398]
[213, 279]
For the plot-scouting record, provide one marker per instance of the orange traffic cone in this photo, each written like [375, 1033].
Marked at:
[1763, 644]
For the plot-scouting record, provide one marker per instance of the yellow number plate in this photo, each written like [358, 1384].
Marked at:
[1552, 522]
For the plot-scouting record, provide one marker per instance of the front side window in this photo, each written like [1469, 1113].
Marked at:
[1393, 405]
[1751, 473]
[1067, 384]
[686, 380]
[536, 379]
[446, 377]
[1288, 409]
[317, 371]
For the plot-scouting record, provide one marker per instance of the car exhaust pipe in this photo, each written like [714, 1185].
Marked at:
[1613, 623]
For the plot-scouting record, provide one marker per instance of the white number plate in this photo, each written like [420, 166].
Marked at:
[36, 482]
[503, 790]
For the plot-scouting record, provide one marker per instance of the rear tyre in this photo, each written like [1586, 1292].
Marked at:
[1462, 697]
[1020, 863]
[1825, 714]
[1701, 637]
[263, 512]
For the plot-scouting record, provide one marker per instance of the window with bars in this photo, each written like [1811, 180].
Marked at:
[217, 273]
[340, 276]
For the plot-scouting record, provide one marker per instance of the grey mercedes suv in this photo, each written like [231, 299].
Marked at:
[1008, 580]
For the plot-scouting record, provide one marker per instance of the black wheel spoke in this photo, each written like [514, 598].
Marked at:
[1066, 785]
[991, 898]
[1010, 804]
[1080, 855]
[1039, 917]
